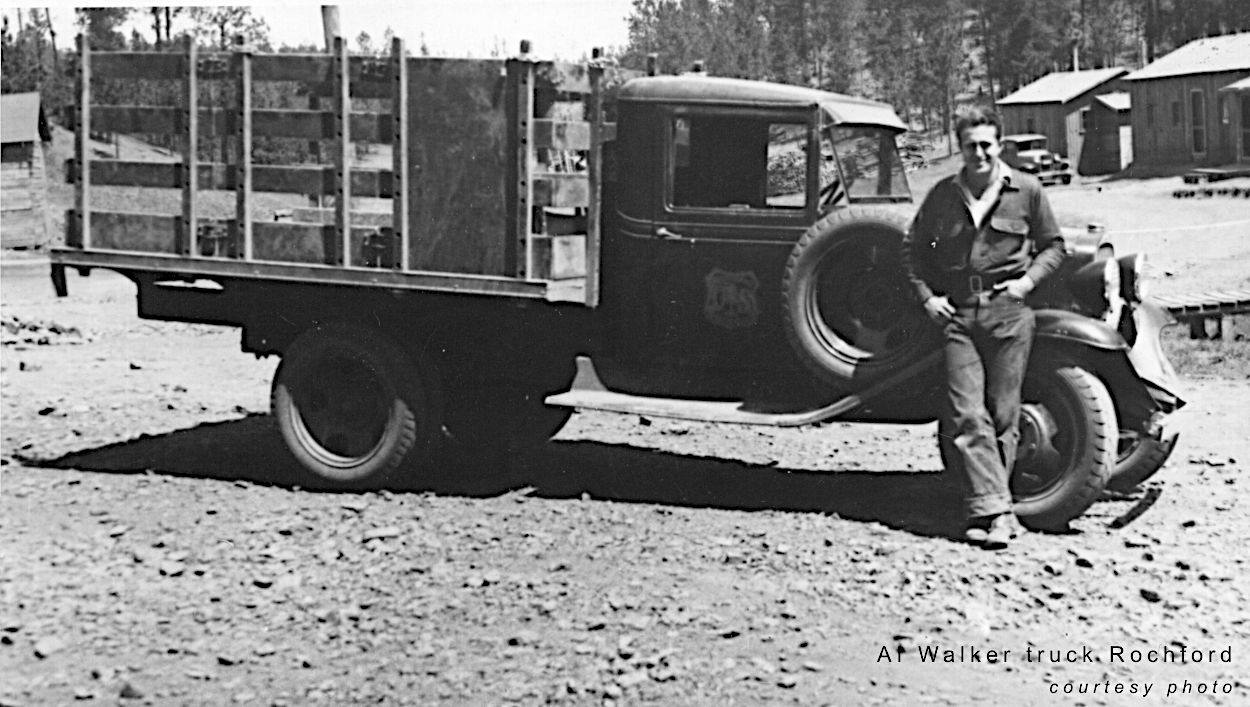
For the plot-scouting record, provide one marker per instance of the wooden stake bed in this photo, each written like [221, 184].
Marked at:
[493, 178]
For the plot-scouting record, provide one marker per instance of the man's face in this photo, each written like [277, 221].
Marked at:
[980, 147]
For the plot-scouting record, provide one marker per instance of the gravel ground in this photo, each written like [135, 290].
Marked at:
[156, 548]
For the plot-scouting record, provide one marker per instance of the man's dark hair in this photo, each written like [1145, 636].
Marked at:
[973, 116]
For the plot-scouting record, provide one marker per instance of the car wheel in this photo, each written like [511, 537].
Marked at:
[848, 309]
[1067, 445]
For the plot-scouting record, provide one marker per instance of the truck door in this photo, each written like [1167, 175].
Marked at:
[738, 190]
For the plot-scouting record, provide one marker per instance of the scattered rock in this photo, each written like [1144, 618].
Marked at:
[45, 647]
[1150, 595]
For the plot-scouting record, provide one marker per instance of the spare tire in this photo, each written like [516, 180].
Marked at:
[850, 313]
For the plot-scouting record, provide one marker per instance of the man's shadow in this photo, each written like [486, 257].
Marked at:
[250, 449]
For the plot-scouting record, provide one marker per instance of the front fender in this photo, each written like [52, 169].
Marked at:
[1149, 361]
[1073, 328]
[1139, 377]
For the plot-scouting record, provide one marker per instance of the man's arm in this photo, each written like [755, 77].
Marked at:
[915, 259]
[912, 256]
[1048, 238]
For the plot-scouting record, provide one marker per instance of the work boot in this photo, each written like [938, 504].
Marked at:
[1003, 529]
[978, 529]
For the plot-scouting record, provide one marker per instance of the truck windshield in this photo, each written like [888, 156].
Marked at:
[860, 164]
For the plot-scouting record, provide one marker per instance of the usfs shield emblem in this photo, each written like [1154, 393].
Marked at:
[731, 302]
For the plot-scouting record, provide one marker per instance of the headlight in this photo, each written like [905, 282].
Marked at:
[1133, 278]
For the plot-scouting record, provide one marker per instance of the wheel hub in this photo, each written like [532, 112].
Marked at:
[1038, 461]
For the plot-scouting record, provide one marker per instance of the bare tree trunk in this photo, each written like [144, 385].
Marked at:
[156, 26]
[56, 57]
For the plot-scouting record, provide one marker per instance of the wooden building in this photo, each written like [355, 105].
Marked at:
[1109, 136]
[1238, 94]
[23, 192]
[1056, 106]
[1181, 115]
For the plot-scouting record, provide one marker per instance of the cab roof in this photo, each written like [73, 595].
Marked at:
[700, 89]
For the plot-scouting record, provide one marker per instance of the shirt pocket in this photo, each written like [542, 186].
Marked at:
[1007, 233]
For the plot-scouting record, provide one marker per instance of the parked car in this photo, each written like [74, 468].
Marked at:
[1029, 153]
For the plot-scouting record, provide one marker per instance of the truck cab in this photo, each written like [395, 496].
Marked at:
[712, 182]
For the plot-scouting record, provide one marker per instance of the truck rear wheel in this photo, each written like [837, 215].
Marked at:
[847, 305]
[1067, 445]
[352, 407]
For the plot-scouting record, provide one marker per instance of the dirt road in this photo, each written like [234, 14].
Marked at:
[156, 548]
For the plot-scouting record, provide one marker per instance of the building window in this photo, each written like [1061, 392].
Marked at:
[1176, 113]
[1198, 114]
[1030, 126]
[1085, 120]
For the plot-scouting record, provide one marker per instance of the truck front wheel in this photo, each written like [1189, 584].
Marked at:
[1138, 457]
[351, 406]
[1067, 445]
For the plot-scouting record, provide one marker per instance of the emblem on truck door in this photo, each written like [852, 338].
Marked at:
[731, 301]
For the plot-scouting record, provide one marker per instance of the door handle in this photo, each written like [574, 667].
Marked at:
[663, 233]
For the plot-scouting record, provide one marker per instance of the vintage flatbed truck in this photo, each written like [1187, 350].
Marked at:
[720, 249]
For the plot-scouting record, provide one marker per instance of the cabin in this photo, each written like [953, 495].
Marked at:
[1238, 96]
[1183, 116]
[23, 194]
[1109, 136]
[1057, 106]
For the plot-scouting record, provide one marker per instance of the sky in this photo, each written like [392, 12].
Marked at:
[565, 29]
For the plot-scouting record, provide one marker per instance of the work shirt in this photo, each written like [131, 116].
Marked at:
[1017, 236]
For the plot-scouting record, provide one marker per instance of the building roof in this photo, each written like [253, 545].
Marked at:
[1118, 101]
[714, 90]
[21, 119]
[1230, 52]
[1239, 86]
[1062, 86]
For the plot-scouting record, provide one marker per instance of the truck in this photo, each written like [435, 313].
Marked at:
[703, 248]
[1029, 153]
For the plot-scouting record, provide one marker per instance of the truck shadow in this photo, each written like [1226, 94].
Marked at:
[251, 450]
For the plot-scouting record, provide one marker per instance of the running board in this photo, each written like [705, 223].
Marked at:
[591, 395]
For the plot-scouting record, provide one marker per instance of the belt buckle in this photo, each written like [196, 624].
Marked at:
[975, 285]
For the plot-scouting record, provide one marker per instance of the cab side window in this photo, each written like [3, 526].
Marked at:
[735, 163]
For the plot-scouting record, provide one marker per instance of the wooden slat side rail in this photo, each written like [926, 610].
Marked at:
[561, 189]
[369, 73]
[594, 169]
[243, 135]
[218, 176]
[342, 155]
[82, 148]
[159, 65]
[562, 135]
[187, 227]
[399, 157]
[274, 241]
[305, 124]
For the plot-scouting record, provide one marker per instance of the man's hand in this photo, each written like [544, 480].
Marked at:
[1018, 288]
[939, 308]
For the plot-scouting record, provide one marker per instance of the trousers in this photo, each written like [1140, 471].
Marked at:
[987, 345]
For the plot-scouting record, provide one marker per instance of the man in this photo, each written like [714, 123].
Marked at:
[982, 240]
